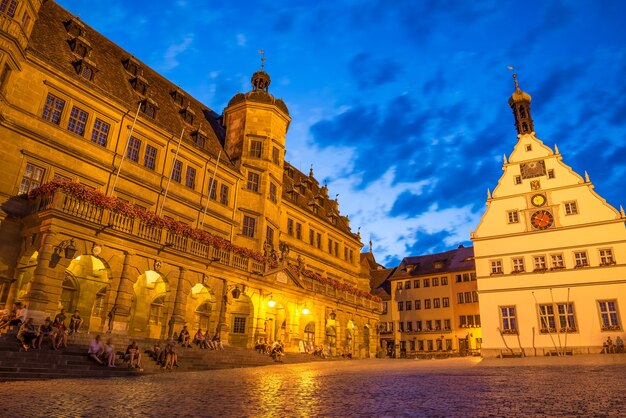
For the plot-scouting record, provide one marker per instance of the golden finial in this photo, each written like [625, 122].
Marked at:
[311, 171]
[514, 78]
[262, 59]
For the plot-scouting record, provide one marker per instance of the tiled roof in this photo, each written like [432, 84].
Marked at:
[460, 259]
[50, 41]
[305, 191]
[379, 283]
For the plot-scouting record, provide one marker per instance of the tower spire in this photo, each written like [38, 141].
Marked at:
[520, 104]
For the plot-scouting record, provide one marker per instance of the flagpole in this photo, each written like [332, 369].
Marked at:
[211, 185]
[169, 180]
[132, 127]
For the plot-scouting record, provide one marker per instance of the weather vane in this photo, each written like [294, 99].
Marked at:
[514, 77]
[262, 59]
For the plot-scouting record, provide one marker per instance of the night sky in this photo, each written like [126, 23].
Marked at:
[401, 106]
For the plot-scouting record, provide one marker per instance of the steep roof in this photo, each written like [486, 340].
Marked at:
[459, 259]
[380, 284]
[51, 42]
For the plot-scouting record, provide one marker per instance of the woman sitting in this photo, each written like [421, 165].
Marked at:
[184, 338]
[109, 352]
[200, 340]
[207, 340]
[133, 356]
[27, 334]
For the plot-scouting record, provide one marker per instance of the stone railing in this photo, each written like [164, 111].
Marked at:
[103, 219]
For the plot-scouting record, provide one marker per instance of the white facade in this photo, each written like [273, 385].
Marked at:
[550, 257]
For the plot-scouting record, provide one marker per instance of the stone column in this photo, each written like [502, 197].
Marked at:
[224, 319]
[119, 316]
[40, 300]
[177, 320]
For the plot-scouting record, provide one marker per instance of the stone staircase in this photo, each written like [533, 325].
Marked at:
[72, 362]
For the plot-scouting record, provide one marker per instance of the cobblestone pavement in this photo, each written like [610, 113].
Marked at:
[464, 387]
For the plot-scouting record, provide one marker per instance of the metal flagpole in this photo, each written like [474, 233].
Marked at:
[566, 323]
[211, 185]
[132, 127]
[169, 179]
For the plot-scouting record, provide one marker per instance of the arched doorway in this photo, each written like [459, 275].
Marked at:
[366, 340]
[149, 310]
[201, 309]
[309, 333]
[69, 294]
[276, 323]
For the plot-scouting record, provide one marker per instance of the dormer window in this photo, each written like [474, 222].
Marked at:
[73, 26]
[178, 96]
[199, 138]
[85, 68]
[139, 84]
[131, 65]
[437, 264]
[149, 107]
[80, 46]
[188, 115]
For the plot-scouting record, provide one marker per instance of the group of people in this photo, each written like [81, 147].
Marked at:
[166, 357]
[104, 353]
[31, 336]
[608, 347]
[202, 340]
[276, 349]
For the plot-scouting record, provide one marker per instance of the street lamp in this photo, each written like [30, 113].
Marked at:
[271, 303]
[69, 251]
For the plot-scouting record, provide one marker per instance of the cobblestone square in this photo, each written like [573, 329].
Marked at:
[573, 386]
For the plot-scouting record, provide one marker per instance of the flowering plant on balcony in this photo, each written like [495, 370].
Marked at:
[509, 331]
[125, 208]
[611, 328]
[336, 284]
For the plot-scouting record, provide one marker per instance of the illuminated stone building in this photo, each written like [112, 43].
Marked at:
[434, 304]
[171, 213]
[550, 254]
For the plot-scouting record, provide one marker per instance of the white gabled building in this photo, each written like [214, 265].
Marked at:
[550, 254]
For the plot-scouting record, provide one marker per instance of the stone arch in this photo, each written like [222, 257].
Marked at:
[70, 293]
[150, 305]
[201, 308]
[93, 277]
[277, 321]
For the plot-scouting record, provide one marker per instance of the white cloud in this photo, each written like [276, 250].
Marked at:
[241, 39]
[170, 58]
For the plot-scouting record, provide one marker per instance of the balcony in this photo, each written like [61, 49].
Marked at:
[101, 213]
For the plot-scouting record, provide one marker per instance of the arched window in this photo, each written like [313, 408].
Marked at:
[524, 127]
[156, 310]
[309, 332]
[522, 112]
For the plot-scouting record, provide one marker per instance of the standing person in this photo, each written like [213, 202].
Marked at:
[27, 334]
[96, 350]
[619, 344]
[75, 322]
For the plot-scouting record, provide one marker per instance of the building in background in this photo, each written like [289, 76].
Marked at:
[434, 304]
[149, 211]
[550, 254]
[381, 287]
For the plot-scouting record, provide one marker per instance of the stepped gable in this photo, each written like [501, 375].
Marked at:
[305, 191]
[50, 42]
[459, 259]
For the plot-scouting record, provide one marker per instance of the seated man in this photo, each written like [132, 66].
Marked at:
[59, 319]
[46, 331]
[75, 322]
[184, 338]
[217, 342]
[96, 350]
[200, 340]
[133, 356]
[27, 334]
[20, 315]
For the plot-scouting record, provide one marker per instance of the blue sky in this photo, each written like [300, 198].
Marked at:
[402, 105]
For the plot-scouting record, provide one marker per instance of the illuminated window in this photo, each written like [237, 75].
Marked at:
[436, 303]
[426, 303]
[444, 281]
[435, 281]
[31, 179]
[445, 302]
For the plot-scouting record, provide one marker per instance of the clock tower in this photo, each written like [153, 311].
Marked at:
[550, 253]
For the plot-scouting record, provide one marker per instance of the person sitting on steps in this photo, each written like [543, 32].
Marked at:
[217, 342]
[184, 338]
[133, 356]
[207, 340]
[109, 352]
[75, 322]
[46, 331]
[96, 350]
[200, 340]
[27, 334]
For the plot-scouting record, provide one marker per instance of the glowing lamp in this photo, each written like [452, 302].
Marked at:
[305, 311]
[271, 303]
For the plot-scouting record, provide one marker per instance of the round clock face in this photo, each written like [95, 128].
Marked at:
[538, 200]
[542, 219]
